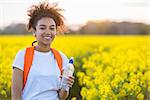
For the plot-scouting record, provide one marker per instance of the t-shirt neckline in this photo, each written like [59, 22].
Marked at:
[42, 53]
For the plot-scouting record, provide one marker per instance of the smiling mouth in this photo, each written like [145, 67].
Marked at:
[47, 37]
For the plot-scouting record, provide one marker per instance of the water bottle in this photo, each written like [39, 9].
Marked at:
[66, 73]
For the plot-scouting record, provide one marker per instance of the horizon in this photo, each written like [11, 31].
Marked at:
[79, 12]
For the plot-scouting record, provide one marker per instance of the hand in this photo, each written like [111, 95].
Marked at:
[70, 81]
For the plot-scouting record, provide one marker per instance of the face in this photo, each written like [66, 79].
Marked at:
[45, 31]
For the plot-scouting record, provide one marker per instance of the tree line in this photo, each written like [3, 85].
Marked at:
[91, 27]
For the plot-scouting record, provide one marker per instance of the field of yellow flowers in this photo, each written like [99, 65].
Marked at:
[107, 67]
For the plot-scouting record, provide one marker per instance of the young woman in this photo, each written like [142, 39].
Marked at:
[40, 80]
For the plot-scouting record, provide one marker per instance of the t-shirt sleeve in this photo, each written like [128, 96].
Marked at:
[65, 60]
[19, 60]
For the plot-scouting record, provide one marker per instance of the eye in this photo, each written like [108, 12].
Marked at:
[52, 28]
[42, 28]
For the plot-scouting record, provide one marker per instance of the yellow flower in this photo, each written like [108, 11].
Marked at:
[140, 96]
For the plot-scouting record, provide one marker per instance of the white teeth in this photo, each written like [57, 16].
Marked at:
[47, 37]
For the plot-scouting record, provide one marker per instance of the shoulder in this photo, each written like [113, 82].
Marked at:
[21, 52]
[63, 55]
[64, 59]
[19, 59]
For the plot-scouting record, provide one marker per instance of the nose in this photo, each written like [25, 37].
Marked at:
[48, 32]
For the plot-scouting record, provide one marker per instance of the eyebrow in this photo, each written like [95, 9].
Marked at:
[45, 25]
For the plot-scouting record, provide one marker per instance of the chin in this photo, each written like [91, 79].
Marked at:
[47, 44]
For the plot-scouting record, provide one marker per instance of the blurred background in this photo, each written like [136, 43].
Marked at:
[83, 16]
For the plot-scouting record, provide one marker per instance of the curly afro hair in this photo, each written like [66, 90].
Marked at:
[45, 9]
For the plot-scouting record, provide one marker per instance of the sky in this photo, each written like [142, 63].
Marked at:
[80, 11]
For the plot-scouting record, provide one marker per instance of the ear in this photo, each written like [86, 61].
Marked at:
[34, 34]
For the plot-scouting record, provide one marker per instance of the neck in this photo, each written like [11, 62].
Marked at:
[42, 48]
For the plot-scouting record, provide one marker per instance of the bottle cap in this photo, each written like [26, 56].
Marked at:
[71, 60]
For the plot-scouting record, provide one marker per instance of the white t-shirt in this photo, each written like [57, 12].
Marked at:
[44, 77]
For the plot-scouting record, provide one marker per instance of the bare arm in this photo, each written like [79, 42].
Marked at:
[17, 84]
[63, 94]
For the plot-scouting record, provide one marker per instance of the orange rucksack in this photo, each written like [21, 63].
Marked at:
[28, 62]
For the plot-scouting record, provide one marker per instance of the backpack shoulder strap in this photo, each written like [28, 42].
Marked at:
[58, 59]
[28, 58]
[27, 63]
